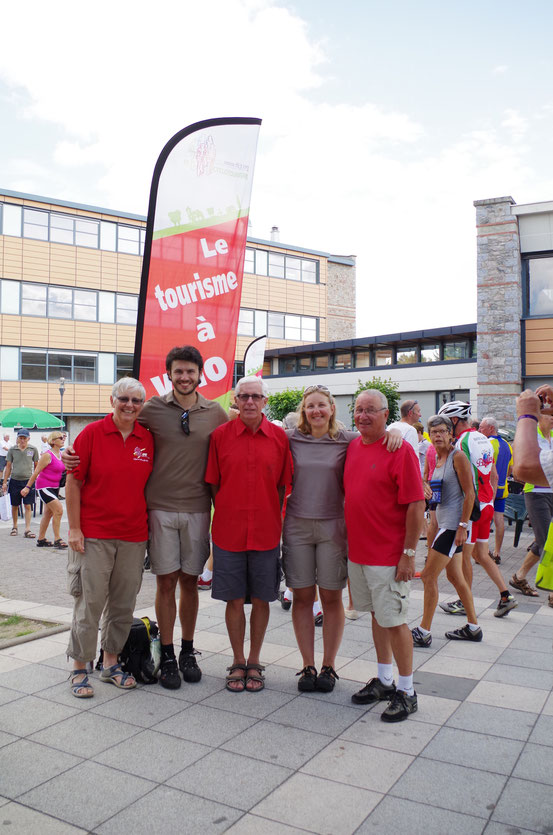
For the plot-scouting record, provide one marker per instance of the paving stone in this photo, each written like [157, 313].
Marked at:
[535, 763]
[32, 678]
[206, 725]
[152, 755]
[527, 805]
[29, 714]
[494, 828]
[196, 692]
[431, 709]
[19, 820]
[277, 744]
[443, 686]
[341, 695]
[231, 779]
[466, 649]
[318, 805]
[25, 765]
[86, 733]
[405, 737]
[249, 704]
[498, 721]
[61, 693]
[281, 678]
[394, 814]
[450, 787]
[542, 733]
[7, 695]
[140, 707]
[533, 643]
[358, 765]
[252, 825]
[505, 674]
[526, 658]
[507, 695]
[312, 715]
[87, 795]
[481, 751]
[178, 812]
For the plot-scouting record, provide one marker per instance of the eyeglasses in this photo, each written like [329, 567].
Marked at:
[185, 422]
[359, 411]
[136, 401]
[58, 438]
[311, 389]
[439, 431]
[245, 397]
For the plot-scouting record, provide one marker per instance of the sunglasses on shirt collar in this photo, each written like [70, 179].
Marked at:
[185, 422]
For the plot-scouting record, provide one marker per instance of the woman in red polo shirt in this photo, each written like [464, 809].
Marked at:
[108, 532]
[314, 550]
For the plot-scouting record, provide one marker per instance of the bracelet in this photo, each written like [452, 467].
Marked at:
[527, 416]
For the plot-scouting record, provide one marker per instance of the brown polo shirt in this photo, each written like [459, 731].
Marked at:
[177, 480]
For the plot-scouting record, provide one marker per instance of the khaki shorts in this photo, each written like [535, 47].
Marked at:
[178, 541]
[374, 588]
[314, 551]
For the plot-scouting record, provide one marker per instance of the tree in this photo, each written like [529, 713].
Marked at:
[389, 389]
[280, 404]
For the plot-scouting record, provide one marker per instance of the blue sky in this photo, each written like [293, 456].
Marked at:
[382, 122]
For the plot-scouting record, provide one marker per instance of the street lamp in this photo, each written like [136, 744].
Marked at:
[61, 390]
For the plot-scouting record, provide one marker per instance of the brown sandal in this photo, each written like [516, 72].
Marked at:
[255, 678]
[522, 586]
[240, 679]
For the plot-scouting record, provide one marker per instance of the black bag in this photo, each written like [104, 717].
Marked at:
[136, 655]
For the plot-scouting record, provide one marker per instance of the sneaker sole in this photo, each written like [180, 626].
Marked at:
[506, 610]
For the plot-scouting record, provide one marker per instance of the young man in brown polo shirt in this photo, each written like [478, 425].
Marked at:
[179, 505]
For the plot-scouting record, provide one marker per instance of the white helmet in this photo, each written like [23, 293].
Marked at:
[455, 409]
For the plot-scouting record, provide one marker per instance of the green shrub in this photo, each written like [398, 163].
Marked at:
[280, 404]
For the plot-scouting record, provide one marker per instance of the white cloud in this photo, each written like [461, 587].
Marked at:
[501, 69]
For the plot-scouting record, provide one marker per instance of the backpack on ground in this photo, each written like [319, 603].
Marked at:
[136, 655]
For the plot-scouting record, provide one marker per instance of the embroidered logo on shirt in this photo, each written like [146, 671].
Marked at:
[141, 455]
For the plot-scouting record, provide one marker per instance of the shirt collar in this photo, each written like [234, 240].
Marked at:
[110, 428]
[263, 427]
[201, 402]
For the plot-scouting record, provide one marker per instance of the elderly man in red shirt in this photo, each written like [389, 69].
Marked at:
[248, 469]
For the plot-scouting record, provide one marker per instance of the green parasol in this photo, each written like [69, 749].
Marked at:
[26, 418]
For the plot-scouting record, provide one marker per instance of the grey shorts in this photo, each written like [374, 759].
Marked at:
[374, 588]
[239, 574]
[314, 551]
[178, 541]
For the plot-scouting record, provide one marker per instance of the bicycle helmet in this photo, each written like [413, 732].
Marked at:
[457, 408]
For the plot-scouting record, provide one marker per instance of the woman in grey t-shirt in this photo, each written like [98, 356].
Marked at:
[314, 537]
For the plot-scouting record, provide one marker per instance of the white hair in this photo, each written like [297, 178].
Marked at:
[492, 421]
[379, 394]
[127, 384]
[252, 379]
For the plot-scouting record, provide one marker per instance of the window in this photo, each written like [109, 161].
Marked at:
[287, 365]
[305, 363]
[245, 323]
[540, 286]
[11, 220]
[260, 323]
[85, 305]
[383, 356]
[60, 302]
[128, 239]
[35, 224]
[126, 309]
[59, 365]
[108, 236]
[430, 353]
[406, 355]
[362, 359]
[276, 265]
[342, 361]
[86, 233]
[456, 350]
[33, 299]
[76, 368]
[238, 373]
[309, 271]
[322, 361]
[33, 365]
[261, 261]
[9, 296]
[61, 229]
[293, 269]
[249, 261]
[84, 368]
[123, 365]
[292, 327]
[275, 325]
[308, 329]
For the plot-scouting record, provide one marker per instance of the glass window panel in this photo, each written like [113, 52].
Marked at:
[362, 359]
[308, 329]
[292, 327]
[249, 261]
[238, 372]
[293, 268]
[85, 303]
[127, 309]
[260, 322]
[84, 368]
[59, 365]
[128, 239]
[33, 300]
[9, 298]
[124, 365]
[430, 353]
[456, 350]
[474, 351]
[245, 323]
[11, 220]
[322, 360]
[106, 306]
[287, 365]
[261, 261]
[60, 303]
[108, 236]
[309, 267]
[342, 361]
[540, 286]
[61, 229]
[276, 265]
[142, 240]
[406, 355]
[33, 365]
[383, 356]
[9, 363]
[305, 363]
[35, 224]
[275, 325]
[86, 233]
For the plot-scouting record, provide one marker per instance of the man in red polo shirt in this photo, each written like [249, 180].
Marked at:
[248, 469]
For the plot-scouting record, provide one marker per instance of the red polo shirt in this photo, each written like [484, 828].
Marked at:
[114, 473]
[248, 468]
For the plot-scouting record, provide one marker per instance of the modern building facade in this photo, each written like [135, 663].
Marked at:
[69, 282]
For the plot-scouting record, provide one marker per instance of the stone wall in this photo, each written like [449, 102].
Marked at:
[340, 301]
[499, 304]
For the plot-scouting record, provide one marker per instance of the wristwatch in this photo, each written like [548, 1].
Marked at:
[463, 525]
[410, 552]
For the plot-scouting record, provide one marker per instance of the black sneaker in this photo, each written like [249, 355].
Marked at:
[465, 634]
[169, 674]
[400, 707]
[504, 606]
[373, 691]
[189, 667]
[308, 679]
[284, 602]
[420, 639]
[326, 679]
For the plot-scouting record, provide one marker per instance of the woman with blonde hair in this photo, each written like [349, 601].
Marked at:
[47, 475]
[314, 537]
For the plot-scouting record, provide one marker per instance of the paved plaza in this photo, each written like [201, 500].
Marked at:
[477, 757]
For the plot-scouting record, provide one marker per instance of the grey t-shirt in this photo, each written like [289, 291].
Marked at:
[449, 511]
[23, 461]
[317, 487]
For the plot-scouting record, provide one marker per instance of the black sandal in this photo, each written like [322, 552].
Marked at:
[326, 679]
[308, 679]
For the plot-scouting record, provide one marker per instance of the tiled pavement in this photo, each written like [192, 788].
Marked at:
[477, 757]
